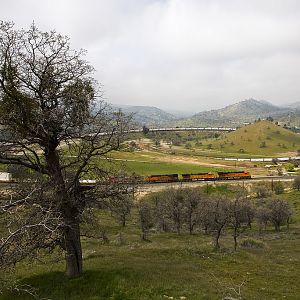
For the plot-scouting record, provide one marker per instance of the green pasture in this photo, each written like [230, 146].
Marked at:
[262, 138]
[170, 265]
[148, 168]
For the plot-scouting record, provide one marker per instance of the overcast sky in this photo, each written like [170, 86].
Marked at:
[186, 55]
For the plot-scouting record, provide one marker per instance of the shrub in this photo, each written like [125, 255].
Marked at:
[188, 146]
[252, 243]
[297, 183]
[278, 187]
[263, 144]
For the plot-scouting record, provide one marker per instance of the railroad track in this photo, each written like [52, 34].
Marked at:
[203, 182]
[156, 187]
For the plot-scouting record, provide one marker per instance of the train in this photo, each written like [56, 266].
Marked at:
[236, 175]
[169, 178]
[159, 178]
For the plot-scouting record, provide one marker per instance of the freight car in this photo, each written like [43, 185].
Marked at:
[161, 178]
[233, 175]
[198, 176]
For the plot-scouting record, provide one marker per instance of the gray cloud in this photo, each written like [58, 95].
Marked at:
[180, 54]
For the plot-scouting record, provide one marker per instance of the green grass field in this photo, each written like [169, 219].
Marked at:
[178, 266]
[148, 168]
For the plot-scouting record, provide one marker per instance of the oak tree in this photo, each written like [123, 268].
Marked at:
[52, 124]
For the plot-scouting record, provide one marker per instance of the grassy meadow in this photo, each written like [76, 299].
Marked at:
[181, 266]
[261, 138]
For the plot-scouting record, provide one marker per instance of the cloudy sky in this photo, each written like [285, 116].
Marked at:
[186, 55]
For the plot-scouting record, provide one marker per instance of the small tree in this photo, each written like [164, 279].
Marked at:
[279, 212]
[263, 217]
[297, 183]
[219, 216]
[262, 191]
[120, 206]
[192, 199]
[175, 207]
[188, 146]
[238, 217]
[146, 218]
[145, 129]
[204, 213]
[263, 144]
[278, 187]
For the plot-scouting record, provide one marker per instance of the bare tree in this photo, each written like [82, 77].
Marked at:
[220, 216]
[274, 210]
[263, 217]
[192, 199]
[238, 218]
[175, 207]
[146, 218]
[161, 215]
[120, 206]
[204, 213]
[279, 212]
[262, 191]
[51, 124]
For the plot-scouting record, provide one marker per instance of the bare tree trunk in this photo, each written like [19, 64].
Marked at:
[235, 238]
[218, 234]
[206, 229]
[123, 221]
[73, 250]
[69, 211]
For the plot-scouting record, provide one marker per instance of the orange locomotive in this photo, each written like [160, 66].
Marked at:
[198, 176]
[161, 178]
[234, 175]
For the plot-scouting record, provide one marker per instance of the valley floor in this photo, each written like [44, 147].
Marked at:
[173, 266]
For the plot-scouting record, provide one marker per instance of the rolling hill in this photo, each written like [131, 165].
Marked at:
[263, 138]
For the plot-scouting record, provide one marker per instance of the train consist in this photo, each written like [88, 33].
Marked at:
[161, 178]
[194, 177]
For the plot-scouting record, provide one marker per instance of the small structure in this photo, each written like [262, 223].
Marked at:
[5, 177]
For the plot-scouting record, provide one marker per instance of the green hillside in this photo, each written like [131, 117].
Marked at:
[263, 138]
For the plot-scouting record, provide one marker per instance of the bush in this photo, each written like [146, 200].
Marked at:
[263, 144]
[252, 243]
[278, 187]
[297, 183]
[188, 146]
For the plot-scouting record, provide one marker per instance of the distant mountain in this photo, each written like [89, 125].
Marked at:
[180, 114]
[250, 107]
[294, 105]
[232, 115]
[238, 113]
[146, 115]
